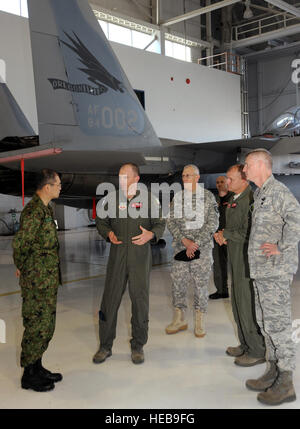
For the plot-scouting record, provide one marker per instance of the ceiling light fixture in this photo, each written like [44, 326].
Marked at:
[248, 12]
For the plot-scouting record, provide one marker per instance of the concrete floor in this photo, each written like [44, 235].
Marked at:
[180, 371]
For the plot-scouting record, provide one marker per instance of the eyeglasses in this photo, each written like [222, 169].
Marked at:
[55, 184]
[188, 176]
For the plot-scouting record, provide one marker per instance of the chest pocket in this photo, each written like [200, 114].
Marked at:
[48, 234]
[263, 209]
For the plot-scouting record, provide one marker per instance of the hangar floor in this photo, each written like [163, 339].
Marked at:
[180, 371]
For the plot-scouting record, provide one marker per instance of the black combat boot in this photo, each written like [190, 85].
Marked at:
[51, 376]
[32, 379]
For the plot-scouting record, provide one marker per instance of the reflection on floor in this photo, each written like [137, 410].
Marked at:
[180, 371]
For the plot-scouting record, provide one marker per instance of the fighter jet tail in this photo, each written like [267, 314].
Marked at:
[83, 96]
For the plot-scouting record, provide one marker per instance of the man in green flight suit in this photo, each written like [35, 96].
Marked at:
[35, 253]
[130, 230]
[251, 350]
[220, 252]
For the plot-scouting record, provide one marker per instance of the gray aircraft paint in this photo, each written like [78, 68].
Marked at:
[104, 119]
[87, 159]
[115, 109]
[12, 119]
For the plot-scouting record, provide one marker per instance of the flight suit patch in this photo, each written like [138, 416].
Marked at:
[137, 205]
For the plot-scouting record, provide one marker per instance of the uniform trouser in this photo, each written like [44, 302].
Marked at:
[39, 316]
[137, 275]
[273, 313]
[195, 273]
[243, 305]
[220, 268]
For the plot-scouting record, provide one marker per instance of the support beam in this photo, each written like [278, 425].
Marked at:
[157, 12]
[198, 12]
[260, 38]
[150, 43]
[23, 185]
[285, 6]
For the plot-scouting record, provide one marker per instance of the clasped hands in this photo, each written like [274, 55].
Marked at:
[190, 246]
[139, 240]
[219, 237]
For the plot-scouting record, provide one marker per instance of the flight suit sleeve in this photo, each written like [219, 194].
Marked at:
[158, 224]
[240, 232]
[210, 222]
[24, 240]
[289, 209]
[103, 227]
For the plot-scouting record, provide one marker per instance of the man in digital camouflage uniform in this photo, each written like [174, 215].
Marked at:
[273, 259]
[251, 350]
[190, 237]
[35, 253]
[130, 230]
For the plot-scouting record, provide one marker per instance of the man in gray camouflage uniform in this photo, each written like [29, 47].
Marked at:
[191, 236]
[273, 259]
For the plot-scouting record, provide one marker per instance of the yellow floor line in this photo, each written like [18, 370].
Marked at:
[9, 293]
[73, 281]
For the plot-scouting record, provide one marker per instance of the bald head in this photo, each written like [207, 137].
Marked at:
[222, 186]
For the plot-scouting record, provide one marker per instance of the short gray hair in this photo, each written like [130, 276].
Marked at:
[194, 167]
[262, 154]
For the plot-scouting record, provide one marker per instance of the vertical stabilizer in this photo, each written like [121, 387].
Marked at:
[80, 83]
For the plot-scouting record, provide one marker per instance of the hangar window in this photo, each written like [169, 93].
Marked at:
[126, 36]
[119, 34]
[16, 7]
[141, 40]
[2, 71]
[180, 52]
[104, 26]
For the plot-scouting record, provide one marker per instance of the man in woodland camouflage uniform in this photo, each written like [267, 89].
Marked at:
[187, 236]
[35, 253]
[273, 260]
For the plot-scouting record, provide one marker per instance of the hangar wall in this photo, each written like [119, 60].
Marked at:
[206, 109]
[271, 90]
[140, 9]
[145, 10]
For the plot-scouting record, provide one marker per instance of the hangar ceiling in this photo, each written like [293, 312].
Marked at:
[243, 27]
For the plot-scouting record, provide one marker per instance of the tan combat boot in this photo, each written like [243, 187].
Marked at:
[281, 391]
[266, 380]
[178, 323]
[235, 351]
[199, 324]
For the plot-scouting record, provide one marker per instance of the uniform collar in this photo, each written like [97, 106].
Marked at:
[268, 182]
[244, 193]
[39, 202]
